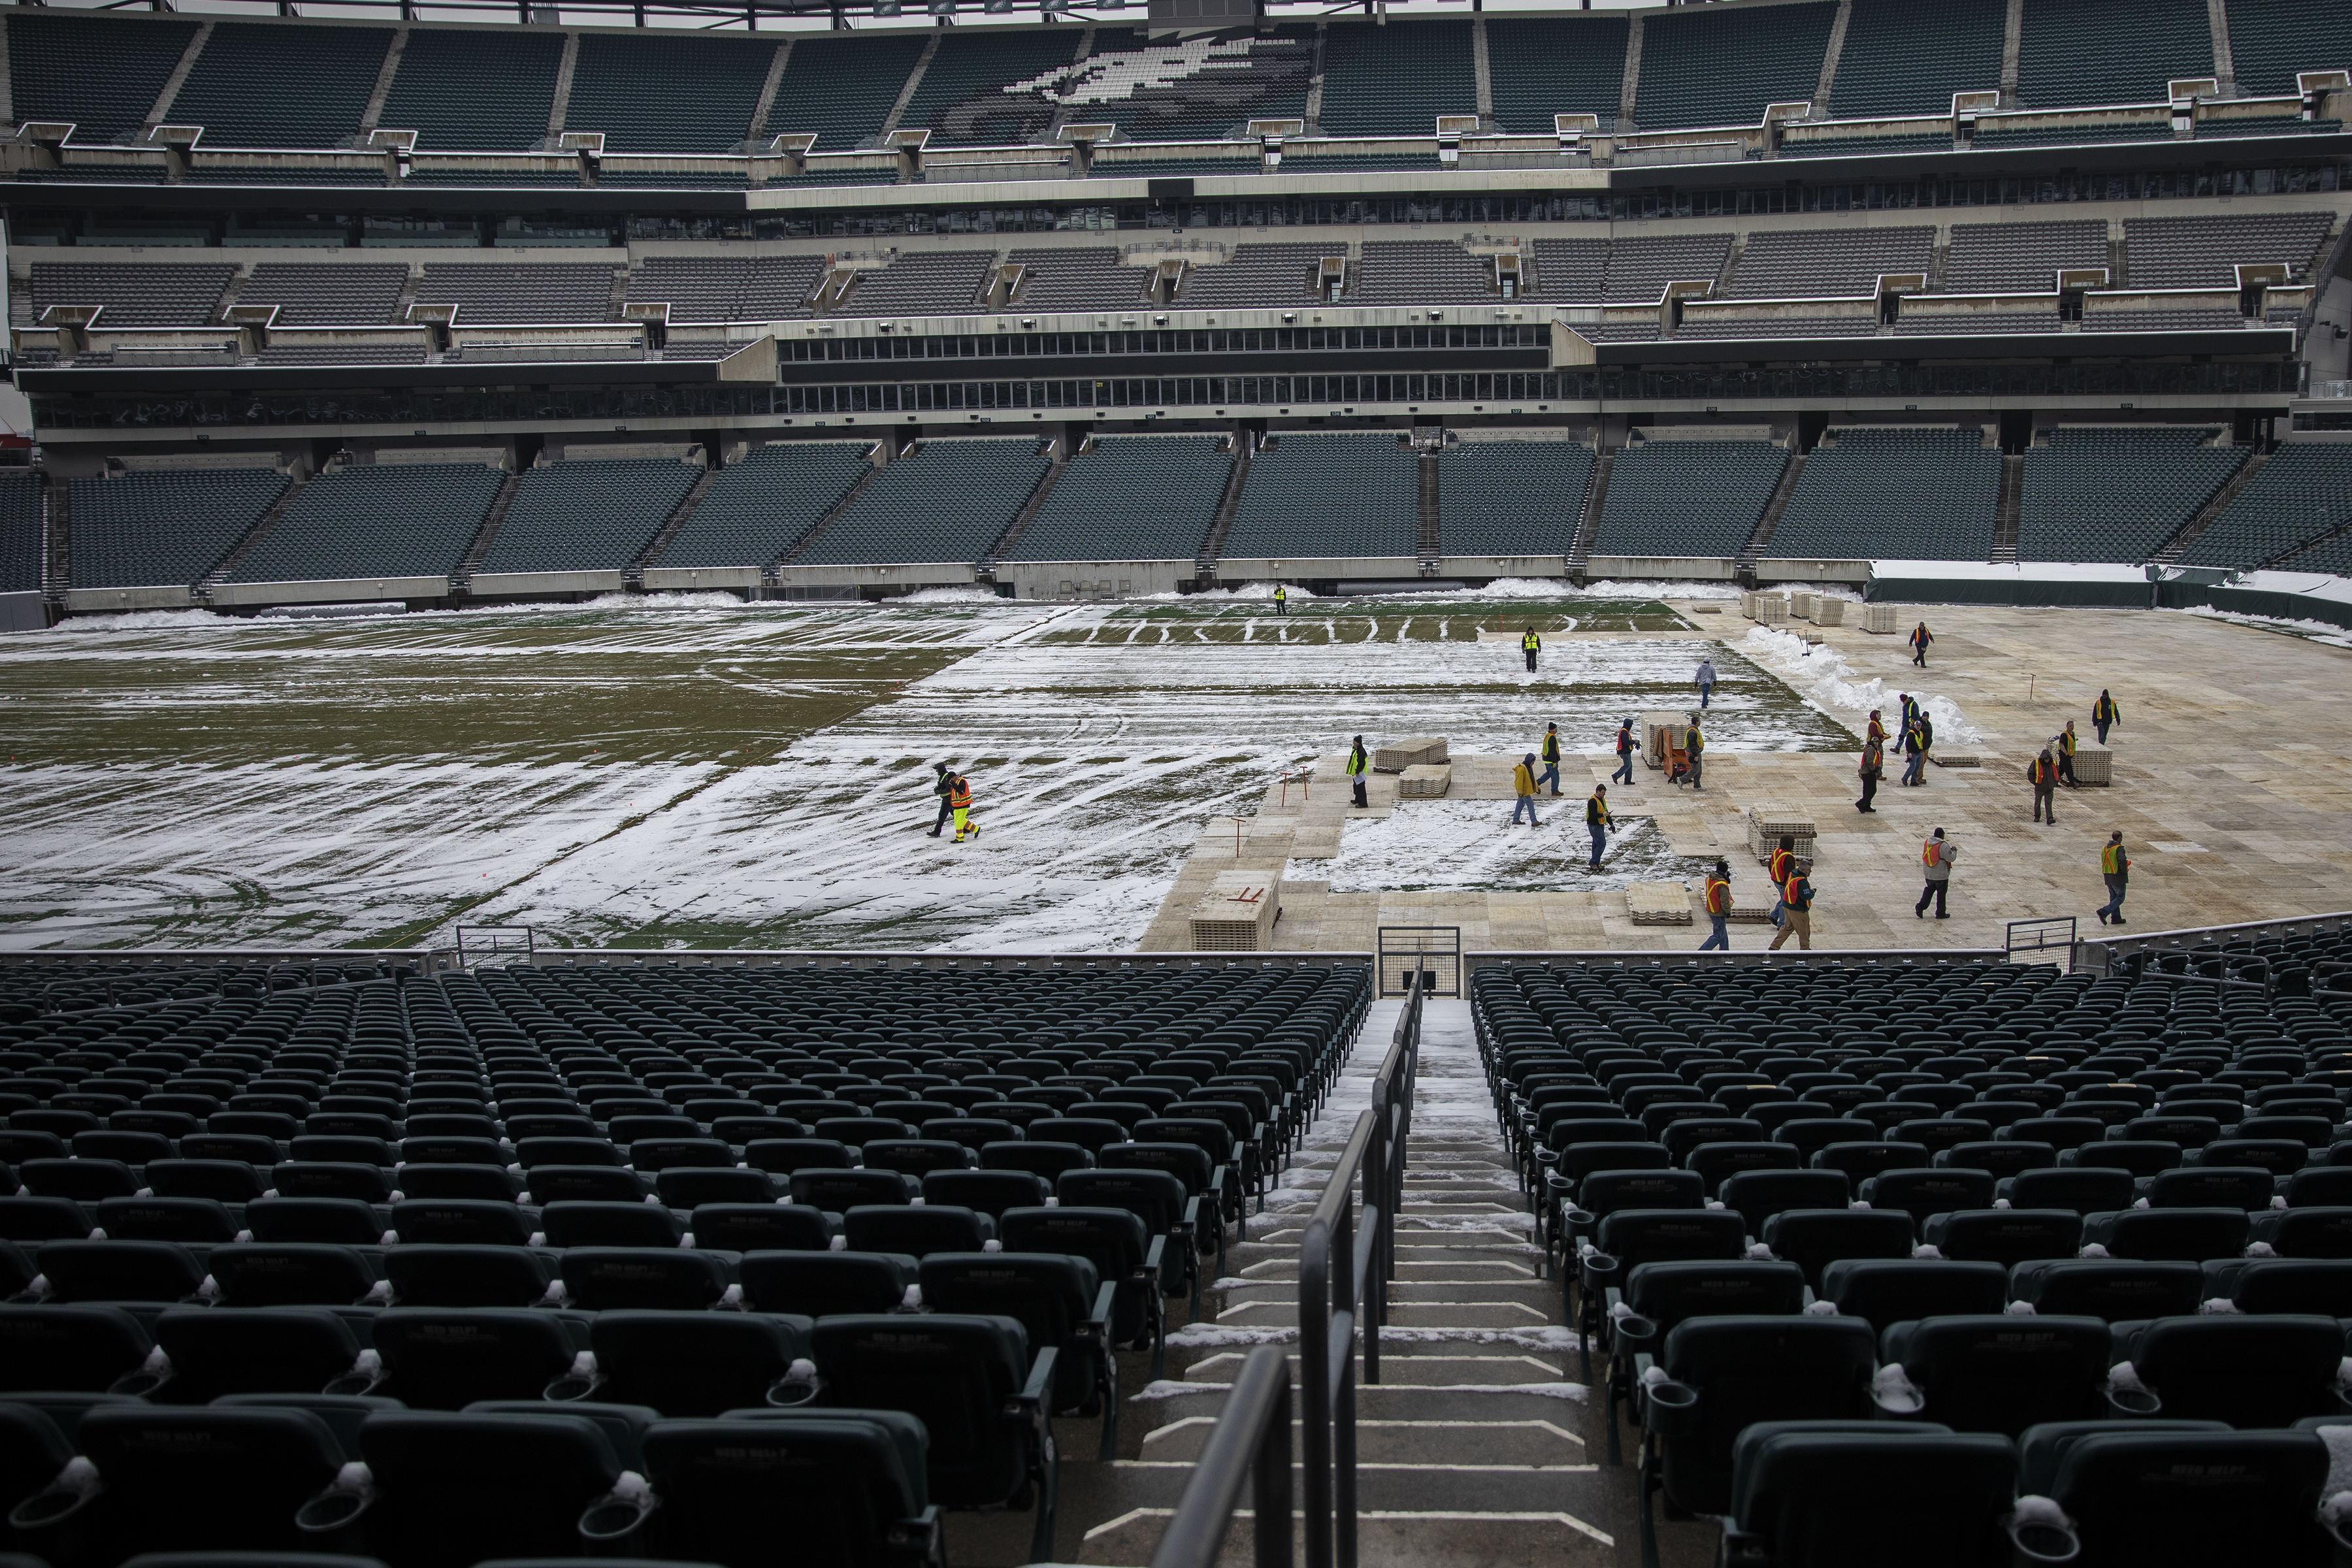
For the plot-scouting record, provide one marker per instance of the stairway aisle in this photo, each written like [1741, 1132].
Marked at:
[1473, 1448]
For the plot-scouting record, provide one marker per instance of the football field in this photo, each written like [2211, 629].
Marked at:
[699, 772]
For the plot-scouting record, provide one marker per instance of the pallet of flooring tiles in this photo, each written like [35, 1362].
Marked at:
[1237, 913]
[2094, 765]
[1828, 612]
[1659, 903]
[1754, 914]
[1801, 604]
[1955, 759]
[1769, 822]
[1882, 620]
[1424, 781]
[1747, 597]
[1772, 609]
[1420, 750]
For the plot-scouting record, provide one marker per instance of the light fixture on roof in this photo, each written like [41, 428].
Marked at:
[885, 7]
[997, 7]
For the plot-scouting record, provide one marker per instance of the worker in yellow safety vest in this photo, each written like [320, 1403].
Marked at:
[1359, 765]
[1597, 822]
[1281, 600]
[1693, 744]
[2115, 867]
[2041, 773]
[960, 799]
[1531, 645]
[2063, 742]
[1782, 863]
[1719, 908]
[1796, 908]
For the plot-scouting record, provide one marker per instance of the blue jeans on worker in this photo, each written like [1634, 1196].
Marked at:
[1600, 842]
[1915, 768]
[2115, 888]
[1704, 689]
[1777, 906]
[1550, 776]
[1527, 805]
[1624, 768]
[2101, 729]
[1721, 937]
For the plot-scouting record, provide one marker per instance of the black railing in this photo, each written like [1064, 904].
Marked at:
[2045, 934]
[1436, 951]
[1345, 1262]
[1251, 1442]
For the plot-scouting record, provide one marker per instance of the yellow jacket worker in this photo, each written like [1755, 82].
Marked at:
[1523, 780]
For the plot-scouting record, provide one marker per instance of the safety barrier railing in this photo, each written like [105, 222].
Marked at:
[2039, 936]
[2106, 954]
[1251, 1442]
[1345, 1262]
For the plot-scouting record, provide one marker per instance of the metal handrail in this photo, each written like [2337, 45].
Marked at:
[1251, 1441]
[1334, 1302]
[2102, 953]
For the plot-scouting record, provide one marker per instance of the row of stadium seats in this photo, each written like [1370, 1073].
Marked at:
[257, 85]
[1815, 263]
[946, 1411]
[926, 1301]
[2018, 1246]
[22, 519]
[2089, 493]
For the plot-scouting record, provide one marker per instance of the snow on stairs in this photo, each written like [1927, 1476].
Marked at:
[1475, 1449]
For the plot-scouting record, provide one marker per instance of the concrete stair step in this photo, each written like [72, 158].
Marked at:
[1564, 1405]
[1471, 1317]
[1540, 1441]
[1459, 1540]
[1451, 1483]
[1440, 1365]
[1414, 1265]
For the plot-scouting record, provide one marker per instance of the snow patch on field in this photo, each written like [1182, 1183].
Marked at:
[953, 596]
[1474, 844]
[1823, 677]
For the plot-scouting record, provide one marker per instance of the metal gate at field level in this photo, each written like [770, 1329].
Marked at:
[1436, 950]
[495, 947]
[2049, 938]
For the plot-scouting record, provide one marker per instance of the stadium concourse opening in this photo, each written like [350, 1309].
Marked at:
[1377, 527]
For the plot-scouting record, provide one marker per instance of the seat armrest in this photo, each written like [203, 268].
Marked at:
[1041, 1379]
[1152, 1259]
[915, 1542]
[1096, 1325]
[1742, 1549]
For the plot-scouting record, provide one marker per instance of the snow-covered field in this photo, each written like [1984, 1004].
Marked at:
[693, 771]
[1456, 844]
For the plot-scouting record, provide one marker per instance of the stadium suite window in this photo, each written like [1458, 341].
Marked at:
[1267, 340]
[525, 406]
